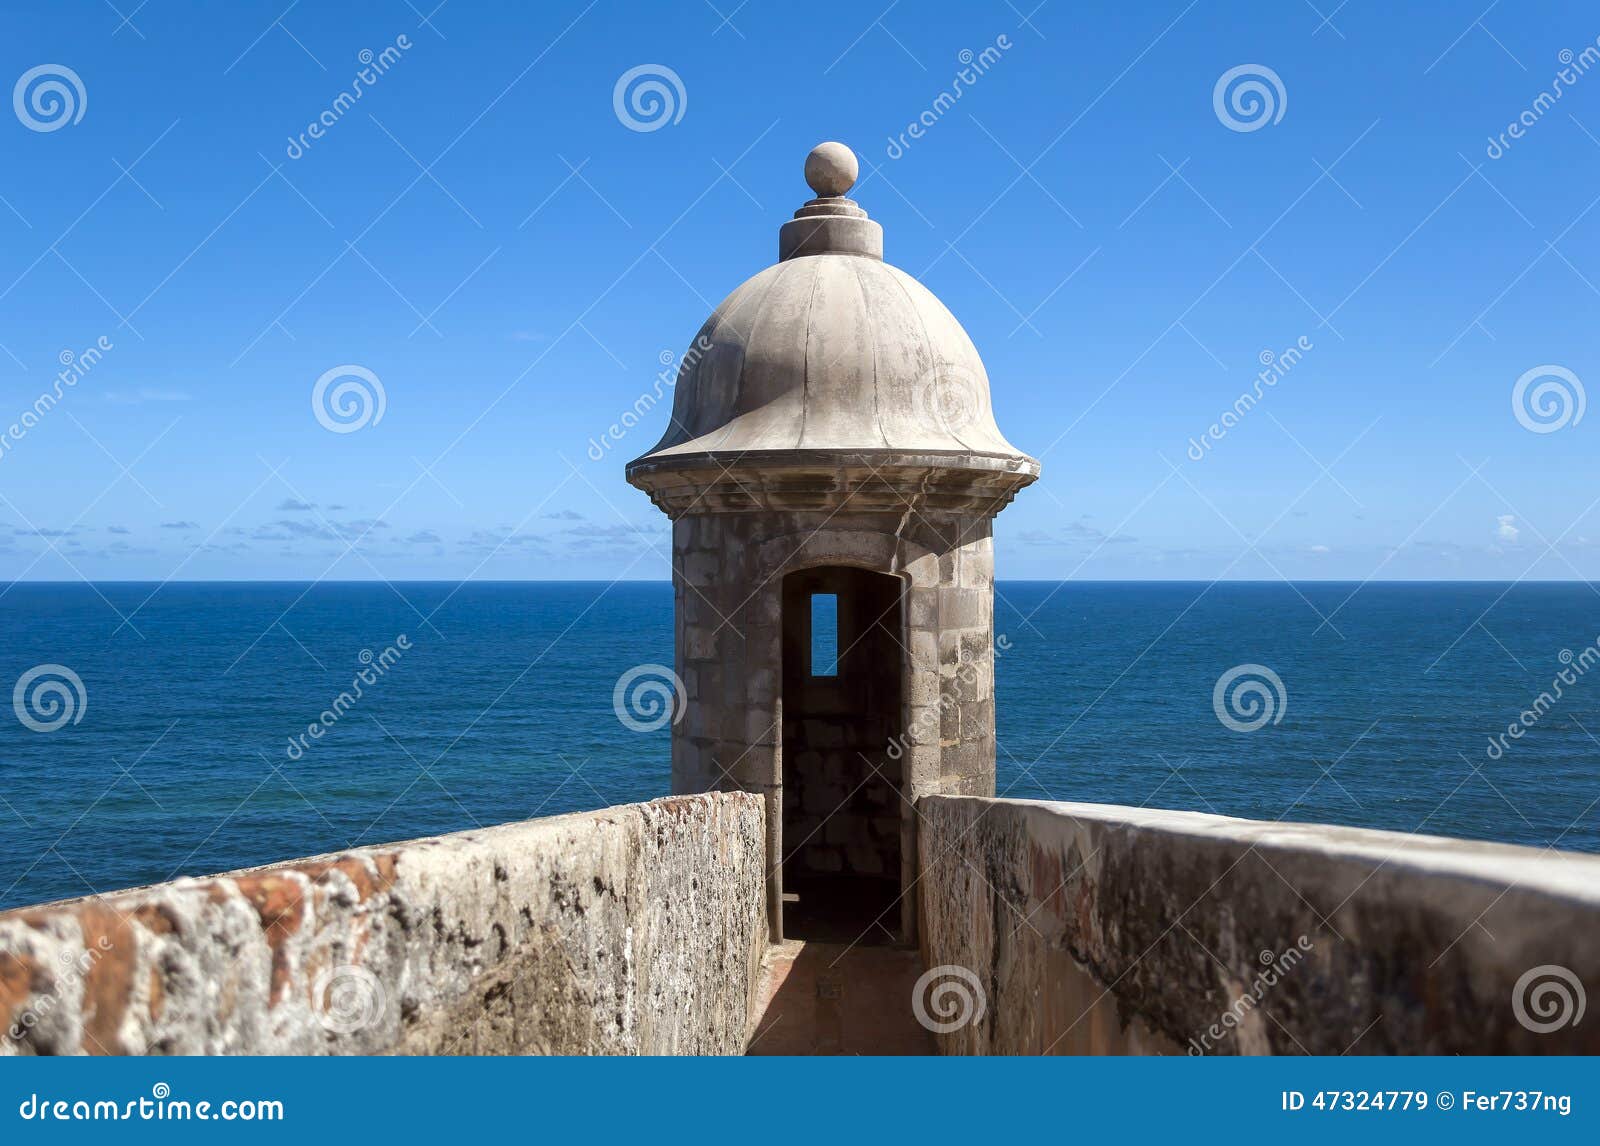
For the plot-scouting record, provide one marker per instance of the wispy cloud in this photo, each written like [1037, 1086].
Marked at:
[289, 529]
[44, 532]
[1073, 533]
[502, 538]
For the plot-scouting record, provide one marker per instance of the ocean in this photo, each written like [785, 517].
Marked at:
[179, 742]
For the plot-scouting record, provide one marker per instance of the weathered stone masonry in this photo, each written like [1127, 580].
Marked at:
[834, 427]
[1096, 929]
[633, 930]
[728, 589]
[1091, 930]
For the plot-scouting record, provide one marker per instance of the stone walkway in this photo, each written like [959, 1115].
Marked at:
[829, 998]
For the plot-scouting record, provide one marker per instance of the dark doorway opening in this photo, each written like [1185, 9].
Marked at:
[842, 808]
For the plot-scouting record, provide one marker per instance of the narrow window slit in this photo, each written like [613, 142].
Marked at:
[824, 634]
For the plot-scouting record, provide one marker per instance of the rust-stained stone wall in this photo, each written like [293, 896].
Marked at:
[633, 930]
[1101, 929]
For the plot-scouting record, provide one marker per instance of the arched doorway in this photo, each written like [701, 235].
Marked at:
[843, 791]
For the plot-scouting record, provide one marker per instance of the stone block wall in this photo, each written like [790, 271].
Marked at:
[838, 824]
[633, 930]
[1095, 929]
[728, 573]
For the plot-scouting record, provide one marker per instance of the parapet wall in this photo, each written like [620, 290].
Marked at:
[1094, 929]
[633, 930]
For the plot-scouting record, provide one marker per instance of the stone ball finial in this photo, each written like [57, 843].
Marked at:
[831, 169]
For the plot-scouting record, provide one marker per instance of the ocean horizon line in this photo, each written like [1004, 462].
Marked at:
[302, 581]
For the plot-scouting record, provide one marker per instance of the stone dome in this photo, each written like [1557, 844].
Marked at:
[832, 355]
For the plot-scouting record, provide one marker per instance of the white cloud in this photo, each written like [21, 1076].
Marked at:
[1507, 530]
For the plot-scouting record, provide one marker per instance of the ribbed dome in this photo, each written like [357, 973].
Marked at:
[832, 352]
[831, 361]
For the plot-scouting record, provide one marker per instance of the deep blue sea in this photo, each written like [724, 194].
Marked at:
[178, 758]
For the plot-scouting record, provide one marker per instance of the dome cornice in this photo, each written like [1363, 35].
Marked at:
[864, 481]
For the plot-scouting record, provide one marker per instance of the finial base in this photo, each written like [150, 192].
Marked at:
[831, 226]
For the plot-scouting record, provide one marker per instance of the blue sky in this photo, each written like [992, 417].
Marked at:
[485, 235]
